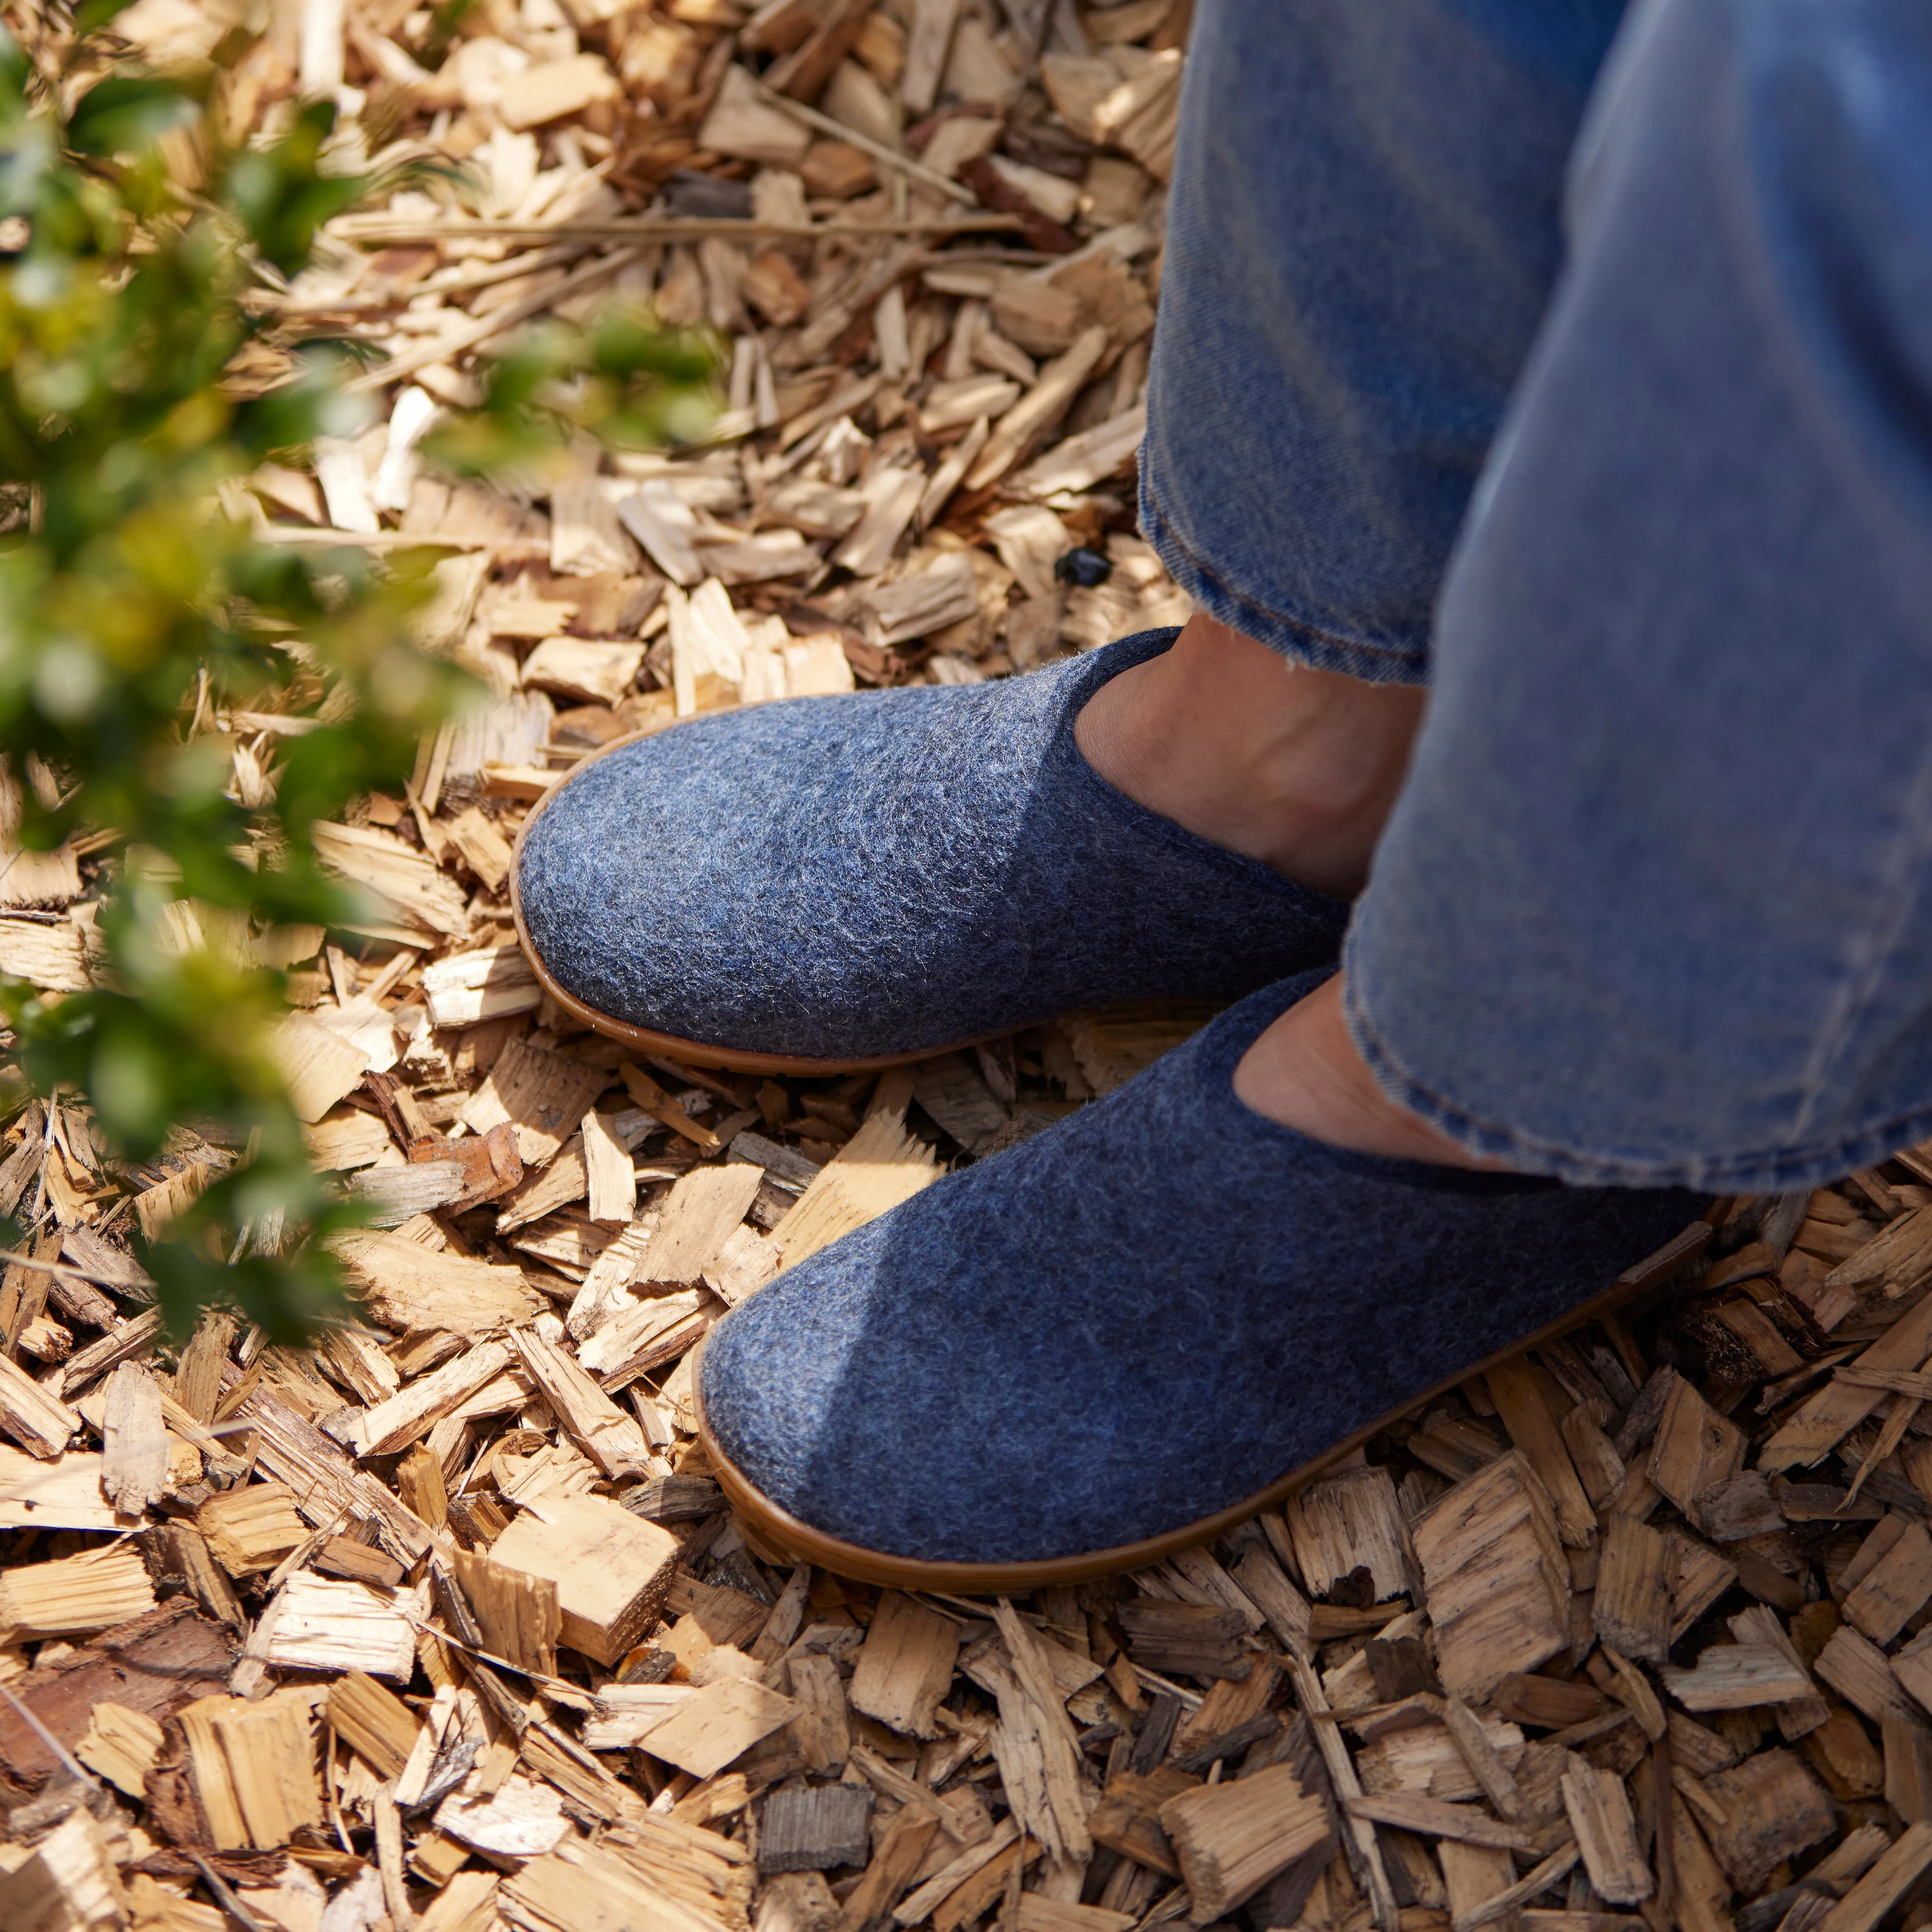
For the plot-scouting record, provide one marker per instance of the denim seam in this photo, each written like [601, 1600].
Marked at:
[1908, 864]
[1854, 995]
[1330, 640]
[1911, 849]
[1767, 1171]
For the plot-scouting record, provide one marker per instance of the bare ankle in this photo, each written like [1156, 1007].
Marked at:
[1305, 1073]
[1296, 767]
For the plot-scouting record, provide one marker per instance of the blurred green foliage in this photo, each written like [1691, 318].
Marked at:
[135, 601]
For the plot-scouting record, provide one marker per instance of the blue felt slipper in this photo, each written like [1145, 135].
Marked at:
[1121, 1337]
[840, 882]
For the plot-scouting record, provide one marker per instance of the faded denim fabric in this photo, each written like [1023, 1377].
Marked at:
[1654, 907]
[1362, 233]
[1656, 904]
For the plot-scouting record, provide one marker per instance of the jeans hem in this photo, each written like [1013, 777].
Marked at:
[1767, 1171]
[1301, 642]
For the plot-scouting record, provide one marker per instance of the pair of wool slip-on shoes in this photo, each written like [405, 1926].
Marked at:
[1123, 1334]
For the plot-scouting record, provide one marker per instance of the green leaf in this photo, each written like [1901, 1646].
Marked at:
[280, 194]
[126, 114]
[92, 15]
[15, 72]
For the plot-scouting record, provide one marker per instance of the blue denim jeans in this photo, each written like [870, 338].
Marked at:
[1582, 367]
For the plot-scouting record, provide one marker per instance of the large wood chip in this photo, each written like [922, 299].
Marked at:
[405, 884]
[611, 1569]
[519, 1819]
[319, 1623]
[1899, 1869]
[73, 1596]
[67, 1883]
[466, 988]
[1855, 1667]
[1518, 1390]
[1827, 1417]
[1349, 1521]
[40, 1423]
[1034, 1744]
[881, 1166]
[610, 1438]
[63, 1494]
[53, 958]
[252, 1527]
[1631, 1608]
[1695, 1447]
[1599, 1809]
[254, 1768]
[905, 1666]
[1735, 1676]
[375, 1722]
[413, 1289]
[717, 1724]
[412, 1411]
[122, 1745]
[609, 1179]
[1231, 1839]
[1498, 1584]
[542, 1095]
[1767, 1809]
[699, 1215]
[1895, 1589]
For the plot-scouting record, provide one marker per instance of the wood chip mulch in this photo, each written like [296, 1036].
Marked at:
[441, 1624]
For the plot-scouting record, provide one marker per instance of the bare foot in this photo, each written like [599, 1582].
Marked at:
[1304, 1072]
[1295, 767]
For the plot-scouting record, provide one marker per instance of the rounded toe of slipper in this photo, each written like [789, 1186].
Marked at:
[868, 1399]
[626, 900]
[828, 1418]
[769, 1382]
[566, 881]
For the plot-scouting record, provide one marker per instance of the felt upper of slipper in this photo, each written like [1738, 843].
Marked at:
[1143, 1315]
[892, 871]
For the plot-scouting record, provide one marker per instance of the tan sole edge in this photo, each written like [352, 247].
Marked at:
[674, 1046]
[789, 1540]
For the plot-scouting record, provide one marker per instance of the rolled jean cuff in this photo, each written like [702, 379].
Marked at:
[1297, 639]
[1405, 1076]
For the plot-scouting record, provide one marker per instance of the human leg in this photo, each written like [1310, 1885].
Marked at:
[1305, 1072]
[1652, 909]
[1656, 904]
[1295, 767]
[1362, 235]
